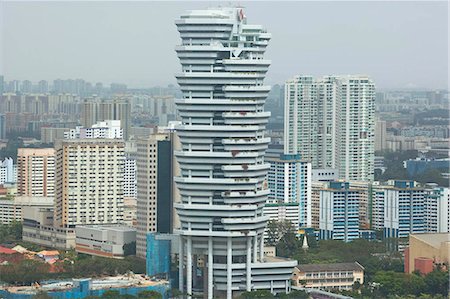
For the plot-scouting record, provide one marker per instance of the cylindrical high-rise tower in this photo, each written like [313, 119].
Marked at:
[223, 184]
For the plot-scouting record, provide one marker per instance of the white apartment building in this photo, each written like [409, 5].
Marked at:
[437, 205]
[330, 122]
[108, 129]
[339, 209]
[301, 109]
[8, 171]
[289, 181]
[222, 182]
[89, 187]
[36, 172]
[399, 209]
[129, 179]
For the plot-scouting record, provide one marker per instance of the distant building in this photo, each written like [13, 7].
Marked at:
[105, 241]
[8, 171]
[419, 166]
[50, 134]
[154, 188]
[129, 179]
[108, 129]
[426, 251]
[330, 122]
[2, 126]
[339, 212]
[94, 110]
[36, 172]
[340, 276]
[380, 135]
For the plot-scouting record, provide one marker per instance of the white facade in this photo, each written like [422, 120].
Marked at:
[8, 171]
[399, 209]
[438, 210]
[108, 129]
[339, 212]
[330, 122]
[129, 179]
[289, 181]
[222, 182]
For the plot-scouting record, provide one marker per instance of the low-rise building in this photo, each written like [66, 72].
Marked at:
[11, 209]
[427, 251]
[38, 229]
[107, 241]
[340, 276]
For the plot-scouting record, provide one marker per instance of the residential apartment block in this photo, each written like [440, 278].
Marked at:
[330, 122]
[36, 172]
[89, 186]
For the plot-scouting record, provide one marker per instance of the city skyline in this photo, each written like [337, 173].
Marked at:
[128, 43]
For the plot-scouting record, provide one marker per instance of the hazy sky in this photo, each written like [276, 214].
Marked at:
[398, 44]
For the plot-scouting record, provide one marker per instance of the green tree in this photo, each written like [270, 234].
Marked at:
[149, 294]
[42, 295]
[111, 294]
[127, 296]
[262, 294]
[295, 294]
[11, 233]
[129, 248]
[437, 282]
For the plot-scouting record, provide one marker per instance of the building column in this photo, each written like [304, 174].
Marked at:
[210, 268]
[180, 265]
[261, 248]
[255, 249]
[229, 270]
[189, 267]
[249, 264]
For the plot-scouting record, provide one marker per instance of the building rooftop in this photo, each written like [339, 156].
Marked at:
[4, 250]
[330, 267]
[122, 228]
[434, 240]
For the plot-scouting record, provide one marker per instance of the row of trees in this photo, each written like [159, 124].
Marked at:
[386, 284]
